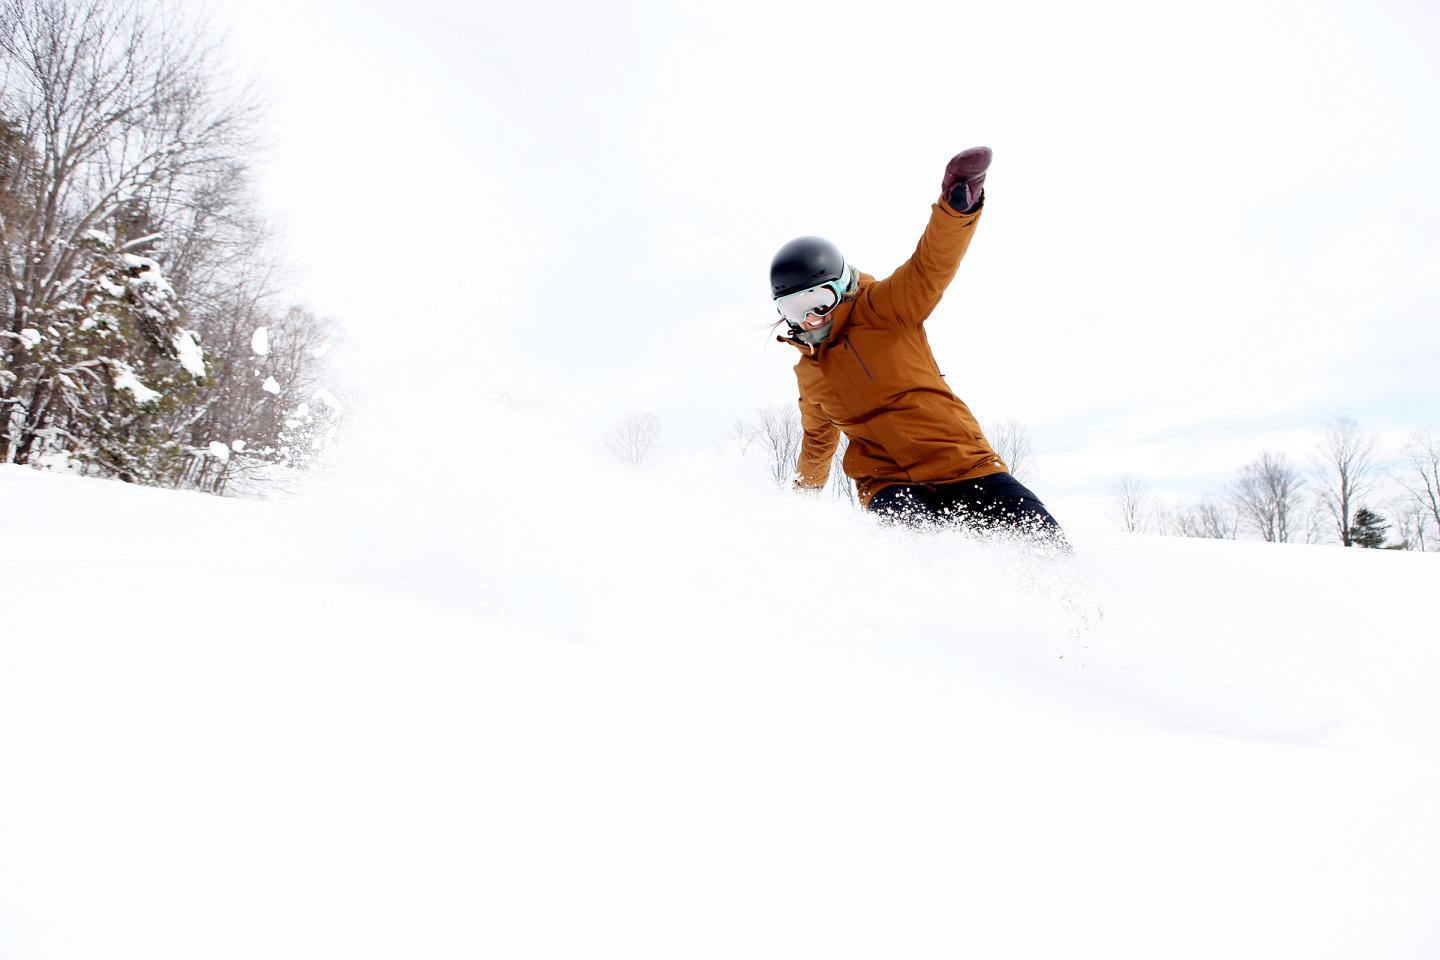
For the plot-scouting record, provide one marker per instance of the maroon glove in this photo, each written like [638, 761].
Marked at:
[964, 184]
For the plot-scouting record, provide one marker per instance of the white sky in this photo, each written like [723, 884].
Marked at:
[1210, 227]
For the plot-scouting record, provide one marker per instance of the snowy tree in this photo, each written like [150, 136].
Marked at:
[102, 364]
[112, 130]
[270, 408]
[128, 240]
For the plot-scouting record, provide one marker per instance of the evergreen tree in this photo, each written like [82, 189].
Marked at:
[108, 360]
[1368, 530]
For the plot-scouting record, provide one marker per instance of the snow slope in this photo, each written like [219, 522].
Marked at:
[680, 714]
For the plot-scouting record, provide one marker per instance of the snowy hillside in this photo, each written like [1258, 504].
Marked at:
[679, 714]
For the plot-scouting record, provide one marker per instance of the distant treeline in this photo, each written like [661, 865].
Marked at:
[1346, 490]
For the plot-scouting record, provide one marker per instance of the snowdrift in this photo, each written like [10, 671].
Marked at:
[676, 713]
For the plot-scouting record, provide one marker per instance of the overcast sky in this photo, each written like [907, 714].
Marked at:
[1209, 227]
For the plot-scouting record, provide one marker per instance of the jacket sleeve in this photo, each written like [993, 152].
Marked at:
[909, 294]
[817, 446]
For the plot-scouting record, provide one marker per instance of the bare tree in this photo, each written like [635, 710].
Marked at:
[1011, 440]
[780, 434]
[1345, 471]
[840, 482]
[1133, 504]
[1412, 523]
[1313, 523]
[1211, 519]
[270, 407]
[1166, 520]
[1422, 475]
[744, 433]
[633, 439]
[1268, 496]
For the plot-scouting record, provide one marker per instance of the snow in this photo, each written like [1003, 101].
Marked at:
[30, 338]
[148, 272]
[187, 348]
[682, 714]
[98, 236]
[219, 450]
[271, 385]
[260, 342]
[321, 395]
[58, 461]
[125, 379]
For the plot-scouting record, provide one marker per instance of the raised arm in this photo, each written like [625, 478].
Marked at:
[910, 294]
[817, 447]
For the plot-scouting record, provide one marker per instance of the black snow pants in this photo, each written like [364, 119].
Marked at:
[998, 502]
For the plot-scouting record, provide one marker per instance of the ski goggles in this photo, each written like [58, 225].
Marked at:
[812, 301]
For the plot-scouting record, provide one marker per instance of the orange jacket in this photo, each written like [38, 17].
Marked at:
[876, 379]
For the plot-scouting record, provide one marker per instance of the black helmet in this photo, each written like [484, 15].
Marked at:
[804, 262]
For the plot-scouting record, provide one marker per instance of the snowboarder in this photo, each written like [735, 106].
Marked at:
[917, 454]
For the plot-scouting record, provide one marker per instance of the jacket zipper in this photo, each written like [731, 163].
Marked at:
[861, 359]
